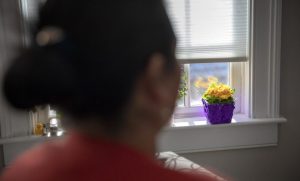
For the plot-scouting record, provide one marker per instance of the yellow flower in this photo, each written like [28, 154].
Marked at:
[218, 91]
[224, 96]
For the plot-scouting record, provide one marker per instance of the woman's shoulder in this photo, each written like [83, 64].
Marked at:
[62, 160]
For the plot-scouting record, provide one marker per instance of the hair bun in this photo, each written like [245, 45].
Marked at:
[37, 77]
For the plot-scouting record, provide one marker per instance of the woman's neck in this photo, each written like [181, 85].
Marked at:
[138, 136]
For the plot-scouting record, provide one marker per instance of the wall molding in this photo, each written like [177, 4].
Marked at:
[274, 58]
[264, 64]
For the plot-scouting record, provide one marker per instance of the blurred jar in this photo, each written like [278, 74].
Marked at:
[39, 129]
[53, 126]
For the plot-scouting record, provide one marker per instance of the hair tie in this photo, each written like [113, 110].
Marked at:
[49, 35]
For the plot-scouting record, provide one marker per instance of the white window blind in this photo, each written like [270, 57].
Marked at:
[210, 30]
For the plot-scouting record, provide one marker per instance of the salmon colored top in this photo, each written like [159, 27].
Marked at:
[79, 157]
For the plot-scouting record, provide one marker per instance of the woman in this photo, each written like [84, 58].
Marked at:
[110, 66]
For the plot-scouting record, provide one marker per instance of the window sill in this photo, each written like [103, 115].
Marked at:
[22, 139]
[195, 135]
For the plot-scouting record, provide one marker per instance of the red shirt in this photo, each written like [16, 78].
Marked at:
[78, 157]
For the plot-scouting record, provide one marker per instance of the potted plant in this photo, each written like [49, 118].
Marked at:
[218, 103]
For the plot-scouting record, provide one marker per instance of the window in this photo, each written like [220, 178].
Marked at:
[211, 37]
[258, 78]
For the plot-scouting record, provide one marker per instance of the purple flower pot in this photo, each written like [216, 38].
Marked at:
[219, 113]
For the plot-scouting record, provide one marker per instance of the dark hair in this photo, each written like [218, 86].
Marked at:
[92, 70]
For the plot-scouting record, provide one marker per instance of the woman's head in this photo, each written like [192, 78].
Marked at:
[102, 56]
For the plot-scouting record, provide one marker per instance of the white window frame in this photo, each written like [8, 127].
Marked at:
[256, 126]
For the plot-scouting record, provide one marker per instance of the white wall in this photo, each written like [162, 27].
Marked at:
[10, 40]
[279, 163]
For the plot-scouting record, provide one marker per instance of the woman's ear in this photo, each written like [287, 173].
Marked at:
[156, 92]
[161, 85]
[155, 77]
[150, 93]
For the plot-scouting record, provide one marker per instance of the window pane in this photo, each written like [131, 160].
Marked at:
[180, 102]
[201, 75]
